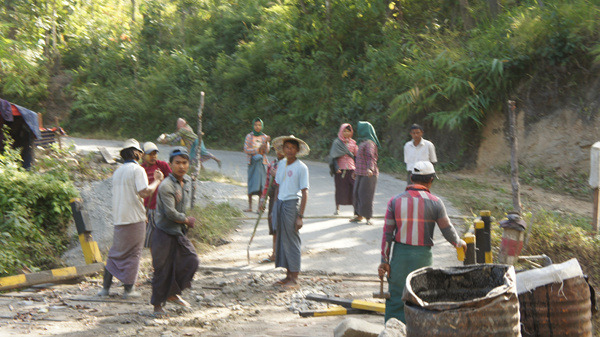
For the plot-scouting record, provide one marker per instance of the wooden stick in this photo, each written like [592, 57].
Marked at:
[514, 156]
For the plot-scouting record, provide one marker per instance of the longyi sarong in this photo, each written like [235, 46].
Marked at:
[288, 244]
[344, 187]
[123, 260]
[364, 193]
[257, 175]
[405, 259]
[175, 262]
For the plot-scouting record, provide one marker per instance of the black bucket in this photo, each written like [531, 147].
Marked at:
[477, 300]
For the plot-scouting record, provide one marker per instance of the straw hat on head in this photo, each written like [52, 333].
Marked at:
[277, 144]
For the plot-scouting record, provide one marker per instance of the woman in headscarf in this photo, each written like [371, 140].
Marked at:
[366, 172]
[256, 146]
[341, 165]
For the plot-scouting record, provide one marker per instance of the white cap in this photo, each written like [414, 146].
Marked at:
[150, 147]
[131, 143]
[423, 168]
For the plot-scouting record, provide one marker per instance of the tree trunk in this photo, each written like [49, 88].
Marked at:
[466, 16]
[132, 10]
[514, 156]
[494, 7]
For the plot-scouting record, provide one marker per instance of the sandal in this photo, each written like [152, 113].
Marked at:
[356, 219]
[369, 222]
[179, 301]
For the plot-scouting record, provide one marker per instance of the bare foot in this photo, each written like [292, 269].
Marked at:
[282, 281]
[248, 210]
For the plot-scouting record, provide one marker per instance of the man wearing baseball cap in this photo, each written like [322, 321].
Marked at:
[129, 187]
[173, 255]
[150, 164]
[409, 223]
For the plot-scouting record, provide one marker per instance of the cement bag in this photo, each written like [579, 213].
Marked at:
[477, 300]
[555, 301]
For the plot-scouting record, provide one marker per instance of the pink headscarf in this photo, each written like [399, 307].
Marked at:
[341, 133]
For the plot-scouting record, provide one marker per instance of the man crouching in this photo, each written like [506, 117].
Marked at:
[173, 256]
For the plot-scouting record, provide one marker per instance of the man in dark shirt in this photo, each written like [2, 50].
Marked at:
[150, 164]
[173, 255]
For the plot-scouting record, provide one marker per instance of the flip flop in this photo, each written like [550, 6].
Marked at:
[158, 314]
[356, 220]
[267, 260]
[369, 222]
[179, 301]
[248, 210]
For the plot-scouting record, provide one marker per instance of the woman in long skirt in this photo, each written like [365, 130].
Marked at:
[342, 153]
[256, 146]
[366, 172]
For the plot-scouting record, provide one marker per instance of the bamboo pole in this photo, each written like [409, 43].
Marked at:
[514, 156]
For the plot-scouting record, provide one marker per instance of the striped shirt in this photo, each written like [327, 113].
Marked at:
[411, 217]
[366, 158]
[251, 145]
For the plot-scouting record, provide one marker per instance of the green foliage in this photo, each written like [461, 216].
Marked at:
[35, 213]
[214, 222]
[304, 66]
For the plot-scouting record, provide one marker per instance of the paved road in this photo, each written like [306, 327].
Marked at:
[328, 244]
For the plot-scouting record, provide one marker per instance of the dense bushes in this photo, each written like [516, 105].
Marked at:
[35, 214]
[306, 65]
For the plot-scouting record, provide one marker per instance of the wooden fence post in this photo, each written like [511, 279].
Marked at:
[514, 156]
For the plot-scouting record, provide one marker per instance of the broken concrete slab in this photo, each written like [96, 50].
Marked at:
[393, 328]
[354, 327]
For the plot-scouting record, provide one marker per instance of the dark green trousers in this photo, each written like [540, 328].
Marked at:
[405, 259]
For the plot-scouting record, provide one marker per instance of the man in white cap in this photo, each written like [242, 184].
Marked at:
[130, 186]
[409, 223]
[150, 164]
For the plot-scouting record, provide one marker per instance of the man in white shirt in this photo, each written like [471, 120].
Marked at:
[292, 177]
[130, 186]
[418, 149]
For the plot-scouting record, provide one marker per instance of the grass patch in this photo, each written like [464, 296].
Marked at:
[209, 175]
[575, 184]
[214, 223]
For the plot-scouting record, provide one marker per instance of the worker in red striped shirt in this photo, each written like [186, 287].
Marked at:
[409, 223]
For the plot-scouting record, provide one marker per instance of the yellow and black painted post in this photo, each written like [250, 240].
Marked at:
[48, 276]
[467, 257]
[483, 237]
[91, 253]
[333, 311]
[348, 303]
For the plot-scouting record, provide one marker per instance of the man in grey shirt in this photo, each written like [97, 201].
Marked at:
[173, 255]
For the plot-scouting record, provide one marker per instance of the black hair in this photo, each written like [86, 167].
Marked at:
[178, 155]
[293, 141]
[348, 127]
[129, 153]
[416, 127]
[422, 179]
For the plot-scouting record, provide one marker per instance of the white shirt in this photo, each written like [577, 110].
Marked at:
[292, 179]
[127, 205]
[425, 151]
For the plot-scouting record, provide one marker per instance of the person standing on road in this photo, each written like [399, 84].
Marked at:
[270, 193]
[173, 255]
[409, 223]
[342, 153]
[130, 186]
[366, 172]
[292, 177]
[150, 164]
[256, 146]
[418, 149]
